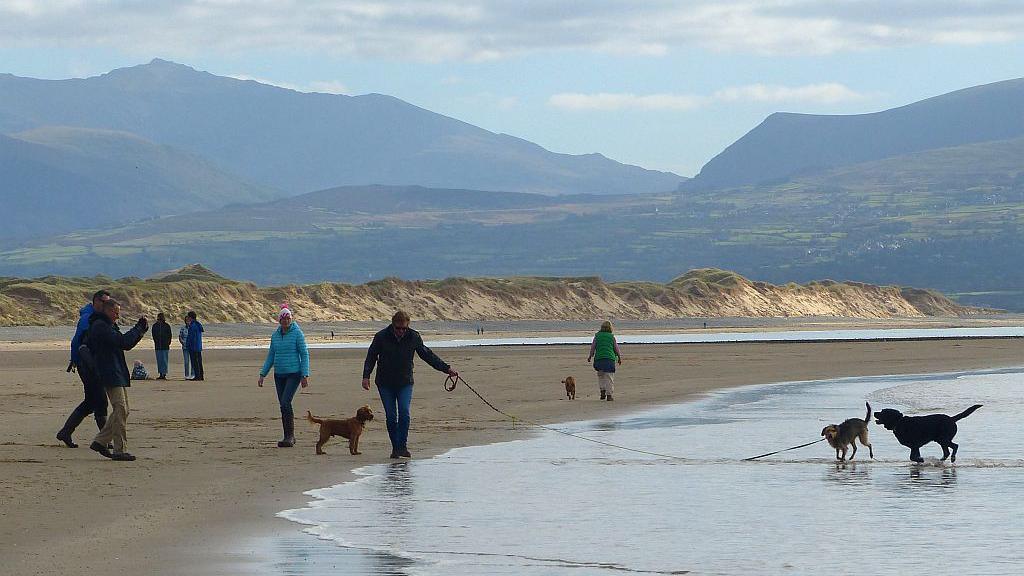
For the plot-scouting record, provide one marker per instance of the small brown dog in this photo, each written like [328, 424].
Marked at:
[570, 387]
[845, 434]
[350, 428]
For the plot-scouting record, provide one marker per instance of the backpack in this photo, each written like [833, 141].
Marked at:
[86, 362]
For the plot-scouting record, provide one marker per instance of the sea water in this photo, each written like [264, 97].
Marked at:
[554, 504]
[703, 337]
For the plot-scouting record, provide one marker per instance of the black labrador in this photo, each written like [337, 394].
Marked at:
[916, 431]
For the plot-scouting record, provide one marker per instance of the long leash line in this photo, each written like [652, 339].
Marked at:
[452, 381]
[783, 450]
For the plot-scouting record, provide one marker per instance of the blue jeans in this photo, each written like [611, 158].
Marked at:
[287, 385]
[161, 362]
[188, 363]
[396, 411]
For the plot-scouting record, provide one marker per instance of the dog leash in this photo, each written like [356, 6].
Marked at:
[451, 382]
[783, 450]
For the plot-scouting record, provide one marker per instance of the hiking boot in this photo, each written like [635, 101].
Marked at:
[404, 453]
[609, 398]
[394, 455]
[122, 457]
[602, 394]
[103, 450]
[288, 423]
[65, 437]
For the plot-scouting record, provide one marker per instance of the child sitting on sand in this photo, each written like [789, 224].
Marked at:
[139, 372]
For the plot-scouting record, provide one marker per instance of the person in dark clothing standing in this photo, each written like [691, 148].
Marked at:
[162, 343]
[392, 352]
[194, 343]
[107, 345]
[95, 401]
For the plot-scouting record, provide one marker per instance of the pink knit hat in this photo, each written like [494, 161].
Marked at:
[285, 311]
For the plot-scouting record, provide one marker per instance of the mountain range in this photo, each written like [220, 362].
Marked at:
[928, 194]
[790, 145]
[300, 142]
[60, 179]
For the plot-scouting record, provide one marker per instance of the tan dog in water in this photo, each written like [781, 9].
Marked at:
[846, 434]
[351, 428]
[570, 387]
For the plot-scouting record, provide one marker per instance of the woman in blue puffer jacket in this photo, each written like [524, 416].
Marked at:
[289, 357]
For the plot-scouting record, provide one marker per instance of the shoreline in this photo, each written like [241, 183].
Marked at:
[203, 496]
[356, 333]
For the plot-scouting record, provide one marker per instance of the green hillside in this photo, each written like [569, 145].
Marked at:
[939, 233]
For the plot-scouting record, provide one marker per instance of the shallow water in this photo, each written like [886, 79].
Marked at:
[710, 337]
[558, 505]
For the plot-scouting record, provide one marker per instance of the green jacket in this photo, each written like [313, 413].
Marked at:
[604, 346]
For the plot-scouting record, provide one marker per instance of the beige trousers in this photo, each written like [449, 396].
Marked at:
[115, 431]
[606, 381]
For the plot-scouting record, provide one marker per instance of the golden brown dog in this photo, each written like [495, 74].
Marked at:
[845, 434]
[570, 387]
[351, 428]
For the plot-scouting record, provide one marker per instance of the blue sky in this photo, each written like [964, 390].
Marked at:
[665, 85]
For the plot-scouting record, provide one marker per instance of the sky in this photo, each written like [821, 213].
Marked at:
[661, 84]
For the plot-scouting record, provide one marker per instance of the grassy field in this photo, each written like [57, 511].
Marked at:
[924, 224]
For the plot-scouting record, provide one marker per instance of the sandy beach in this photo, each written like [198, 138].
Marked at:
[210, 478]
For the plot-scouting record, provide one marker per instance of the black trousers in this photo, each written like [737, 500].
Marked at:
[95, 403]
[196, 358]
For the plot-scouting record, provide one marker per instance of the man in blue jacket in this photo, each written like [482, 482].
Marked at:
[194, 343]
[95, 401]
[392, 351]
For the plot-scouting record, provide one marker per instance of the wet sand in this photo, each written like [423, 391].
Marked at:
[210, 478]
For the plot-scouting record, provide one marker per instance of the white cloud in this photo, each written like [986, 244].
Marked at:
[825, 93]
[482, 30]
[507, 103]
[326, 87]
[608, 101]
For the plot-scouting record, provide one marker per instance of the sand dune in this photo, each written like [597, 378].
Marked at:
[699, 293]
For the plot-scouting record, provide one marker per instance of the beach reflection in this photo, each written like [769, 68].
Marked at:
[396, 491]
[556, 505]
[303, 556]
[848, 473]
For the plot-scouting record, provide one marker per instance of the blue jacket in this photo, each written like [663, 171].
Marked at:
[83, 325]
[288, 353]
[194, 340]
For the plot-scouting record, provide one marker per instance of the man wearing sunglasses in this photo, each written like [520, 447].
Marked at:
[392, 352]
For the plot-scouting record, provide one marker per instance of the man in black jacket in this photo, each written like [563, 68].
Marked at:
[107, 346]
[392, 351]
[162, 344]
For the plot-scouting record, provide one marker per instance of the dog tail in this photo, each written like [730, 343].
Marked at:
[313, 419]
[966, 413]
[867, 419]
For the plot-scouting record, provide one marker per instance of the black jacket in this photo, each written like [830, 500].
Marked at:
[393, 358]
[161, 335]
[107, 345]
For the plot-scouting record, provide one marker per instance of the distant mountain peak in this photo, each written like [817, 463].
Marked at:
[788, 144]
[298, 141]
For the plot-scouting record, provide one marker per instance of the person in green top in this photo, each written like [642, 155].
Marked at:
[604, 351]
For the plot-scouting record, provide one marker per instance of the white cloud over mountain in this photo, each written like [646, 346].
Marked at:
[480, 30]
[825, 93]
